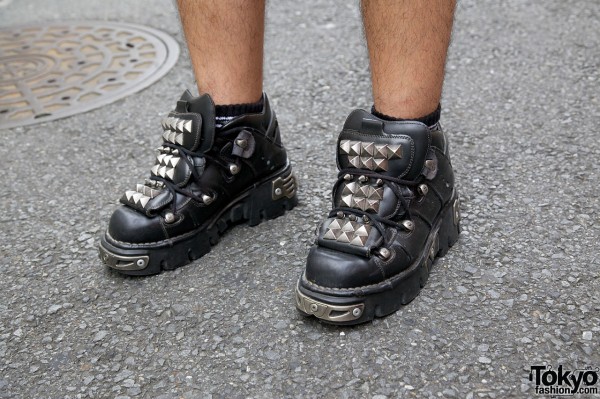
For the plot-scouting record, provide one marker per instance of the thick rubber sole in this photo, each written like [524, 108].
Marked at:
[267, 199]
[360, 305]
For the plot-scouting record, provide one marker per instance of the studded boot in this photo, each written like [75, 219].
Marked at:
[395, 209]
[204, 180]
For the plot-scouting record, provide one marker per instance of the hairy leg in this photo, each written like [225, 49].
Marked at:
[407, 42]
[225, 40]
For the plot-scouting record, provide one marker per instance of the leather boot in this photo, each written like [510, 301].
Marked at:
[395, 210]
[204, 180]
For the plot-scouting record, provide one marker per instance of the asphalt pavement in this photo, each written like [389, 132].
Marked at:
[521, 288]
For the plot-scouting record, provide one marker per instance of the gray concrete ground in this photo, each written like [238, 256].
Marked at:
[521, 106]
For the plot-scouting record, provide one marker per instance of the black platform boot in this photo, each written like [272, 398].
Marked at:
[203, 181]
[395, 210]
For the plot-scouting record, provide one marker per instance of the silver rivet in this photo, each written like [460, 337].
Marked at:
[278, 191]
[242, 143]
[347, 177]
[314, 307]
[366, 219]
[169, 217]
[408, 225]
[340, 215]
[363, 179]
[384, 253]
[379, 182]
[352, 217]
[423, 189]
[207, 199]
[356, 312]
[234, 169]
[140, 262]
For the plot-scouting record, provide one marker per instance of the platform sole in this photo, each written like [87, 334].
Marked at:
[360, 305]
[267, 200]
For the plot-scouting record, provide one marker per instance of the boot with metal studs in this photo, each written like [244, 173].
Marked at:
[395, 210]
[204, 180]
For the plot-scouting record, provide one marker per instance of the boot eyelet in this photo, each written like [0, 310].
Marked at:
[169, 217]
[234, 169]
[242, 143]
[409, 225]
[347, 177]
[363, 179]
[423, 189]
[383, 253]
[207, 199]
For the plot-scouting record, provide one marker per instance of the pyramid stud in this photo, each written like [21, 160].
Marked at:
[160, 157]
[136, 196]
[349, 188]
[335, 224]
[187, 127]
[376, 194]
[174, 161]
[395, 151]
[355, 161]
[381, 151]
[348, 227]
[129, 194]
[368, 162]
[355, 148]
[367, 148]
[139, 188]
[343, 237]
[170, 173]
[358, 241]
[381, 164]
[179, 138]
[173, 124]
[154, 170]
[345, 146]
[361, 203]
[363, 231]
[162, 171]
[329, 235]
[347, 200]
[373, 204]
[144, 200]
[179, 125]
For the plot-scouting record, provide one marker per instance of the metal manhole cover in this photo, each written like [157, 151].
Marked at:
[52, 71]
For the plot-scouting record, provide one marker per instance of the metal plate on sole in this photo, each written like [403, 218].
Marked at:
[120, 262]
[325, 311]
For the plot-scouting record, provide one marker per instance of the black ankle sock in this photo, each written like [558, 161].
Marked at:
[225, 113]
[429, 120]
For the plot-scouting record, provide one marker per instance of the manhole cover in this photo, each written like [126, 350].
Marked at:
[52, 71]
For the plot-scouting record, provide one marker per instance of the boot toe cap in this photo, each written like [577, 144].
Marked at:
[333, 269]
[129, 226]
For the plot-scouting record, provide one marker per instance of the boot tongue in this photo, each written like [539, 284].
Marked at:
[192, 123]
[393, 148]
